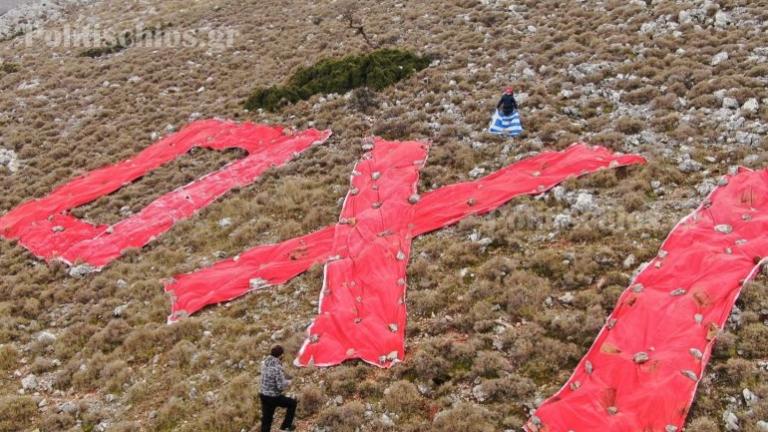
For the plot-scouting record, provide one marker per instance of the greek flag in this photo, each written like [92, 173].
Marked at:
[506, 125]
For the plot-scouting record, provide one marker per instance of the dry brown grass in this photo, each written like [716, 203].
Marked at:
[479, 316]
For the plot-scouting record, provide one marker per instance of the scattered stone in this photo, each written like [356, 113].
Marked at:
[585, 202]
[559, 193]
[735, 318]
[724, 228]
[225, 222]
[121, 284]
[629, 262]
[748, 139]
[688, 165]
[719, 58]
[730, 103]
[29, 382]
[749, 398]
[476, 172]
[386, 421]
[119, 311]
[46, 338]
[567, 298]
[563, 221]
[750, 106]
[721, 19]
[81, 270]
[479, 393]
[258, 283]
[731, 421]
[9, 160]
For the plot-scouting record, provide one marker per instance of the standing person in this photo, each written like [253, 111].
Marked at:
[273, 382]
[506, 119]
[507, 104]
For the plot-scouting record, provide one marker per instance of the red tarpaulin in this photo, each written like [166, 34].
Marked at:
[46, 229]
[362, 304]
[642, 371]
[274, 264]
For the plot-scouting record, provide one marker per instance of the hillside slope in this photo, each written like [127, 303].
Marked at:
[501, 307]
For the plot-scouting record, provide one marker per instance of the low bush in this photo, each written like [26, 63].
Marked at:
[345, 418]
[375, 70]
[8, 357]
[465, 417]
[16, 413]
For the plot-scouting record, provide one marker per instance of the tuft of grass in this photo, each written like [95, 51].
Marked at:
[16, 412]
[8, 357]
[9, 68]
[375, 70]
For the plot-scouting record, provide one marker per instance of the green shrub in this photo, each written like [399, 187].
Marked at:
[375, 70]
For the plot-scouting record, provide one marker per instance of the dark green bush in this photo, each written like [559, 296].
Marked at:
[375, 70]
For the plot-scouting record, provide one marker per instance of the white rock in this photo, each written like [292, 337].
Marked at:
[731, 421]
[719, 58]
[46, 338]
[750, 106]
[258, 283]
[81, 270]
[28, 85]
[762, 425]
[386, 421]
[721, 19]
[559, 193]
[225, 222]
[629, 261]
[567, 298]
[29, 382]
[585, 202]
[749, 398]
[730, 103]
[688, 165]
[479, 393]
[684, 17]
[747, 138]
[724, 228]
[9, 160]
[476, 172]
[119, 310]
[563, 221]
[68, 407]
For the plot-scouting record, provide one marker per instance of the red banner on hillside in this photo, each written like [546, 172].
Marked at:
[269, 265]
[45, 228]
[642, 371]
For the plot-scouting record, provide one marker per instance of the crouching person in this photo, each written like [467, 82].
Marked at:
[273, 382]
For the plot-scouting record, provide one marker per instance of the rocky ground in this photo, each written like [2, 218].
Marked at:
[501, 307]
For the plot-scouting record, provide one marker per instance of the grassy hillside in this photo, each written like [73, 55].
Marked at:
[501, 307]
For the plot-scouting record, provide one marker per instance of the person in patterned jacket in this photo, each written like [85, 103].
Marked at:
[273, 382]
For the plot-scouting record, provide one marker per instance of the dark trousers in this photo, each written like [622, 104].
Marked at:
[268, 406]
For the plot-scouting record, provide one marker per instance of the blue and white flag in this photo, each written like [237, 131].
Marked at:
[506, 125]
